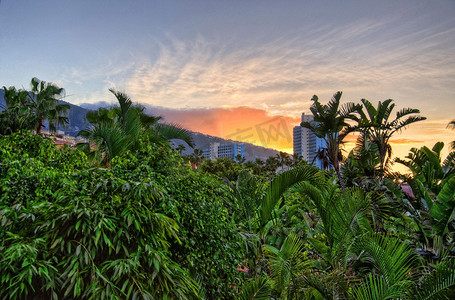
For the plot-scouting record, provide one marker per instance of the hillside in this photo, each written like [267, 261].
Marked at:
[202, 141]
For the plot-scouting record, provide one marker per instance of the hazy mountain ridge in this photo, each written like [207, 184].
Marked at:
[77, 122]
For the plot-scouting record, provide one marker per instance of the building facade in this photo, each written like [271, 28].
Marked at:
[306, 143]
[224, 151]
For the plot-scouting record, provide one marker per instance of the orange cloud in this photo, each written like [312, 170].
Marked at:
[405, 141]
[243, 124]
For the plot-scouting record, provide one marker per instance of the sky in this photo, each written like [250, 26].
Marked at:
[240, 69]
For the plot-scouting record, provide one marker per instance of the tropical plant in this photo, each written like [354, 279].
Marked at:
[285, 265]
[330, 123]
[257, 289]
[362, 163]
[375, 126]
[28, 110]
[210, 248]
[16, 116]
[119, 128]
[428, 168]
[44, 103]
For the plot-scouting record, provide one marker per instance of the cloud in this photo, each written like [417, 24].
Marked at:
[405, 141]
[282, 74]
[243, 124]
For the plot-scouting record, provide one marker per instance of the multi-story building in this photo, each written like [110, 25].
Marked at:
[211, 152]
[307, 144]
[224, 151]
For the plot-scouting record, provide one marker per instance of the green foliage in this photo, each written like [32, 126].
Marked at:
[257, 289]
[211, 245]
[224, 167]
[149, 226]
[32, 168]
[436, 284]
[286, 264]
[280, 184]
[442, 211]
[145, 228]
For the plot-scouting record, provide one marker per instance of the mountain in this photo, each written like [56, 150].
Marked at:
[76, 118]
[77, 122]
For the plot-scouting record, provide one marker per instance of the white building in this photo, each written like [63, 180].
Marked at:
[306, 143]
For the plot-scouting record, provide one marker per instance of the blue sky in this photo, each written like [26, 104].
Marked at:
[268, 55]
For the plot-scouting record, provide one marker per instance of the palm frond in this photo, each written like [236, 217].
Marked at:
[371, 110]
[376, 287]
[407, 111]
[279, 185]
[330, 286]
[391, 257]
[110, 139]
[384, 112]
[173, 131]
[402, 124]
[257, 289]
[435, 285]
[286, 263]
[443, 208]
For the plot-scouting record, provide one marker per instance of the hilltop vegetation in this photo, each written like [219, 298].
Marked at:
[126, 216]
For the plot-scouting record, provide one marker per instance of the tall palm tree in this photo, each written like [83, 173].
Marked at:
[375, 126]
[44, 101]
[330, 123]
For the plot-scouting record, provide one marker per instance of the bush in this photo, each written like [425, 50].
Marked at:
[145, 228]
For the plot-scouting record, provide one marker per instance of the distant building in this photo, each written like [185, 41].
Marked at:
[224, 151]
[306, 143]
[211, 152]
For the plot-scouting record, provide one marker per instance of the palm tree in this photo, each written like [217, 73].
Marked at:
[180, 148]
[44, 102]
[120, 128]
[197, 157]
[286, 265]
[29, 110]
[375, 126]
[323, 156]
[284, 159]
[16, 115]
[330, 124]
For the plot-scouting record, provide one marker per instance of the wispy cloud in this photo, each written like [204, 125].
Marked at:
[282, 75]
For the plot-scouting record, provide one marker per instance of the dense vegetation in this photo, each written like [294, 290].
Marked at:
[125, 216]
